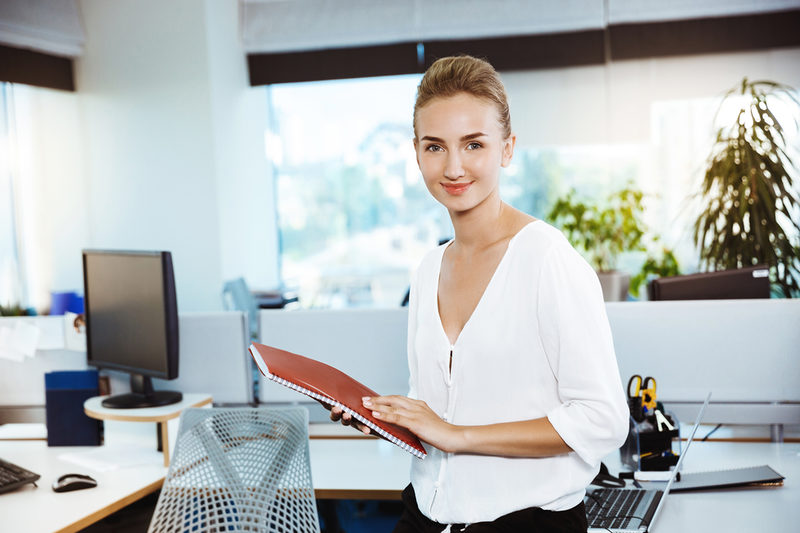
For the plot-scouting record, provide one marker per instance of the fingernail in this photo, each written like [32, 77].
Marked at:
[366, 401]
[376, 414]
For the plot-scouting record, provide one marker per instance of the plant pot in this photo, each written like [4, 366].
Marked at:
[615, 285]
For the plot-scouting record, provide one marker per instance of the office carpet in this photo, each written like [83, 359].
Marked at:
[131, 519]
[336, 516]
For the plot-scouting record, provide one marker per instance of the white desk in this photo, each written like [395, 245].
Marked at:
[361, 468]
[736, 510]
[368, 468]
[40, 510]
[130, 445]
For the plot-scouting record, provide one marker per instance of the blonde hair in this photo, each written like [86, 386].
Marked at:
[449, 76]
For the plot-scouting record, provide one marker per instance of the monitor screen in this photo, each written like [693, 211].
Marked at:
[131, 314]
[746, 282]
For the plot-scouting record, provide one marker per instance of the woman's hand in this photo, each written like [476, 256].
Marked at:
[417, 417]
[338, 414]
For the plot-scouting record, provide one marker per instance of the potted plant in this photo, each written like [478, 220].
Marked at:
[749, 192]
[601, 234]
[659, 264]
[13, 310]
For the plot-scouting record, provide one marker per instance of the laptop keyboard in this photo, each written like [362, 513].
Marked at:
[614, 508]
[13, 476]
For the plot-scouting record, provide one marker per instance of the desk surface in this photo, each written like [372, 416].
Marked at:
[369, 468]
[40, 510]
[739, 509]
[364, 468]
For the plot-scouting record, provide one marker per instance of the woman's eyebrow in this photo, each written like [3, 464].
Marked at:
[467, 137]
[473, 136]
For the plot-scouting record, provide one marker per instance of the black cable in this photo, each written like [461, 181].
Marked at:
[711, 432]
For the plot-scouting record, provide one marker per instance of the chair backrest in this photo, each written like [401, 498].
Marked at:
[239, 469]
[236, 296]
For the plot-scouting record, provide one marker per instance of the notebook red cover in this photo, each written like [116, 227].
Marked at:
[331, 386]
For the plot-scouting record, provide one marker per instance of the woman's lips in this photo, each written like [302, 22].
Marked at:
[456, 189]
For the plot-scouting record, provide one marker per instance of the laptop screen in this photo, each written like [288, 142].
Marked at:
[681, 458]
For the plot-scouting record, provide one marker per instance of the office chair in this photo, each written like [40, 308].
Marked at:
[236, 296]
[239, 469]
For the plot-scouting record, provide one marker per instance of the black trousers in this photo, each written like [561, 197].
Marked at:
[530, 520]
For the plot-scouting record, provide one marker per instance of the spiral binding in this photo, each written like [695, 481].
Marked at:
[330, 401]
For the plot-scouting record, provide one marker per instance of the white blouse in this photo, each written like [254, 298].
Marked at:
[537, 344]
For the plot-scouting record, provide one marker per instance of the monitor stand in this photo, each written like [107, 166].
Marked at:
[142, 395]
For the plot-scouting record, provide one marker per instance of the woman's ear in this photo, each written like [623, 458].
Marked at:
[508, 150]
[416, 150]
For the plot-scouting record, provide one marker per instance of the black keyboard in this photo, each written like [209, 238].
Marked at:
[13, 476]
[614, 508]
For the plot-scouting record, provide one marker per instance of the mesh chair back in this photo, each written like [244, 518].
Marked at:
[239, 469]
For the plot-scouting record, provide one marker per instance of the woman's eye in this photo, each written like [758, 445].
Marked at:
[433, 148]
[473, 146]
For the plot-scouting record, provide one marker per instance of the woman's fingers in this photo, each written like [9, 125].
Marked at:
[339, 415]
[415, 415]
[392, 409]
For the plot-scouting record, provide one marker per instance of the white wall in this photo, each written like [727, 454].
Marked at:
[245, 192]
[172, 137]
[613, 103]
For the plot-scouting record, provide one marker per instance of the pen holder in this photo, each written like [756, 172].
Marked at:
[647, 448]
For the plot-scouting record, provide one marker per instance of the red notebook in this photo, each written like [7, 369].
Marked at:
[331, 386]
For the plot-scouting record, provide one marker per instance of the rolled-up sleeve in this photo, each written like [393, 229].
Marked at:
[592, 416]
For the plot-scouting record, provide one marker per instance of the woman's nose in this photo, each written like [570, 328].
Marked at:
[453, 168]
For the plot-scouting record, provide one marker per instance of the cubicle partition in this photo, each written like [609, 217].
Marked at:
[747, 352]
[368, 344]
[22, 376]
[213, 360]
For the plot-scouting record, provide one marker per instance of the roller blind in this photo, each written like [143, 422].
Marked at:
[270, 26]
[50, 26]
[274, 26]
[628, 11]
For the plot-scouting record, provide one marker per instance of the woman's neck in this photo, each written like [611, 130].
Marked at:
[483, 225]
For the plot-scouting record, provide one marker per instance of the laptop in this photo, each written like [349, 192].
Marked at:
[631, 510]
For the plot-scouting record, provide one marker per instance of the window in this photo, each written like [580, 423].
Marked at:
[10, 282]
[354, 215]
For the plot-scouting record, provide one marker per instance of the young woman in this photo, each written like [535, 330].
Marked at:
[514, 384]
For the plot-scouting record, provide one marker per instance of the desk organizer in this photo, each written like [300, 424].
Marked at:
[646, 448]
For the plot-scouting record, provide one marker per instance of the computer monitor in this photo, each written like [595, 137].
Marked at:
[746, 282]
[132, 321]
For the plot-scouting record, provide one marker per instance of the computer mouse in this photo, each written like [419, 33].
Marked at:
[70, 482]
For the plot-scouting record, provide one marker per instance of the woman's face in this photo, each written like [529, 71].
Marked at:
[460, 149]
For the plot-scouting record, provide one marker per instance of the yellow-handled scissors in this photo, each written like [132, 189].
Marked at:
[642, 394]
